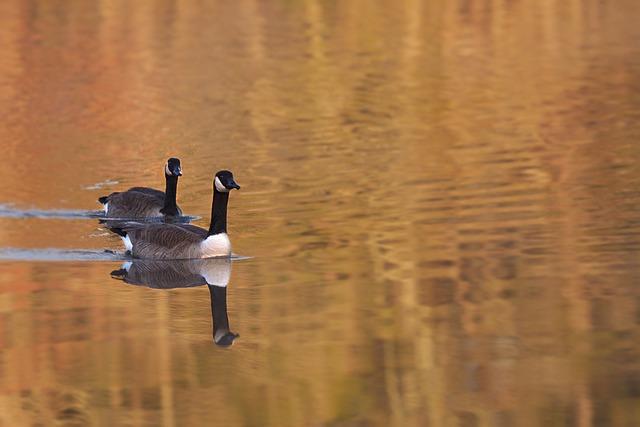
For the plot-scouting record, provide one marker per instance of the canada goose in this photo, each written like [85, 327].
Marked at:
[215, 273]
[183, 241]
[144, 202]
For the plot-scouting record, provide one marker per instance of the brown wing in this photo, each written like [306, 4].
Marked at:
[150, 191]
[195, 229]
[134, 204]
[165, 241]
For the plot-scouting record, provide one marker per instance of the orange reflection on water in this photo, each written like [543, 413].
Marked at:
[440, 199]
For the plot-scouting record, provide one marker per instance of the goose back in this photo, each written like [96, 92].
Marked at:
[133, 204]
[150, 191]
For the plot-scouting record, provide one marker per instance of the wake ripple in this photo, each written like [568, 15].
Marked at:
[8, 211]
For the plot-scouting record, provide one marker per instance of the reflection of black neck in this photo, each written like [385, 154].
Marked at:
[170, 205]
[218, 212]
[221, 333]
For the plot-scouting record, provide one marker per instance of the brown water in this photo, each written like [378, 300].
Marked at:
[441, 201]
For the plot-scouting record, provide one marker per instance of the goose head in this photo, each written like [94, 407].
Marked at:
[224, 182]
[172, 168]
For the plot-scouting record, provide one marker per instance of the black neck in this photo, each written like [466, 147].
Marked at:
[170, 205]
[219, 315]
[218, 212]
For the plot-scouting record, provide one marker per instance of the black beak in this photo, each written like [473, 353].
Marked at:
[177, 171]
[232, 185]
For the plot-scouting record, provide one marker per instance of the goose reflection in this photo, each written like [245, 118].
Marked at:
[214, 273]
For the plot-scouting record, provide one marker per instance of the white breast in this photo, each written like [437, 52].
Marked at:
[216, 245]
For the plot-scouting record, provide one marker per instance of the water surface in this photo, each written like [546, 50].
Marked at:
[440, 199]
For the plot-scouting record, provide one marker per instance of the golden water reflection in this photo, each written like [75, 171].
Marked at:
[440, 199]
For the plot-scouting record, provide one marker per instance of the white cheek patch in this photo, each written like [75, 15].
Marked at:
[221, 188]
[166, 169]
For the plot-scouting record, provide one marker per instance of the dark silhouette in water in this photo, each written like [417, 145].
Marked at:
[214, 273]
[222, 335]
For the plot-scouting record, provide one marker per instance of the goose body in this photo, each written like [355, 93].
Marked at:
[172, 241]
[136, 204]
[145, 202]
[183, 241]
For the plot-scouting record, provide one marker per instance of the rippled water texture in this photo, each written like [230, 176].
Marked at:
[441, 202]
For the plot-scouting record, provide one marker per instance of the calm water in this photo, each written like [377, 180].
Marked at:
[441, 201]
